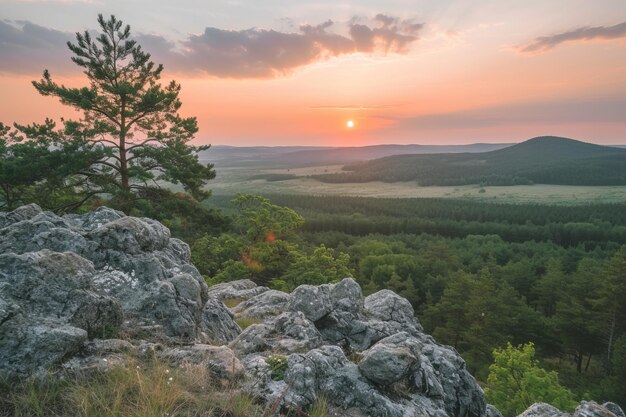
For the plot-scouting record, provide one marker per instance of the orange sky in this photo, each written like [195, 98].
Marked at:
[495, 74]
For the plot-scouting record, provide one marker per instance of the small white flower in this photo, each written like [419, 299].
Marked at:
[171, 379]
[104, 360]
[138, 367]
[167, 371]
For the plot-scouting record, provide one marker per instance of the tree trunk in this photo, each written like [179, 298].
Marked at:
[579, 362]
[611, 336]
[588, 361]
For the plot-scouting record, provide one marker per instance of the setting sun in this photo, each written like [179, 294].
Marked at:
[350, 124]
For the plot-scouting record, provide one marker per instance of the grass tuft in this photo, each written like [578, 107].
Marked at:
[244, 322]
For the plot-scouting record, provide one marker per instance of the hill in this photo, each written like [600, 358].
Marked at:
[544, 160]
[301, 156]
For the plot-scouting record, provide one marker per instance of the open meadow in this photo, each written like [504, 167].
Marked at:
[237, 180]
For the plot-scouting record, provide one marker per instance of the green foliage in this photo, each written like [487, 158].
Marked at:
[261, 220]
[477, 312]
[209, 253]
[323, 266]
[129, 117]
[278, 366]
[41, 164]
[516, 381]
[260, 249]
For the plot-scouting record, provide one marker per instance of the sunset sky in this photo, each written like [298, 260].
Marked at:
[286, 72]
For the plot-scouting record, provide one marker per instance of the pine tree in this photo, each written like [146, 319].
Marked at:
[128, 113]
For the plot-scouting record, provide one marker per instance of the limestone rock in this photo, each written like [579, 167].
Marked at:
[217, 322]
[265, 304]
[492, 411]
[236, 290]
[614, 408]
[543, 410]
[314, 302]
[326, 371]
[585, 409]
[289, 332]
[385, 364]
[593, 409]
[66, 279]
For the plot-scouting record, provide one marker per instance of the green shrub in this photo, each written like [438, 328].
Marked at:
[278, 365]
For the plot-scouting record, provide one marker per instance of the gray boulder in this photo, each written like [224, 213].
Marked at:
[240, 290]
[492, 411]
[388, 307]
[289, 332]
[49, 308]
[394, 368]
[314, 302]
[265, 304]
[327, 372]
[64, 280]
[585, 409]
[593, 409]
[217, 323]
[386, 364]
[543, 410]
[614, 408]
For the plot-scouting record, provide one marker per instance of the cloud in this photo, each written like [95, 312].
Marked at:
[261, 53]
[27, 48]
[544, 43]
[247, 53]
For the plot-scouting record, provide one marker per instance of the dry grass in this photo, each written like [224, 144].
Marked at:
[244, 322]
[138, 389]
[319, 408]
[232, 302]
[135, 390]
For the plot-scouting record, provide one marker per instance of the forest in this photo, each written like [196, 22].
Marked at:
[479, 275]
[541, 160]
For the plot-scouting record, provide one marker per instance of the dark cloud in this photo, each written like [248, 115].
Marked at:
[248, 53]
[544, 43]
[28, 48]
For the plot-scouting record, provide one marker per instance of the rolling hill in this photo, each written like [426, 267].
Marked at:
[544, 160]
[301, 156]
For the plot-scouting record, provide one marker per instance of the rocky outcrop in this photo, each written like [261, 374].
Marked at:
[67, 280]
[83, 293]
[369, 356]
[585, 409]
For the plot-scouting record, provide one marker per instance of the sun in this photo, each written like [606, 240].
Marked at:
[350, 124]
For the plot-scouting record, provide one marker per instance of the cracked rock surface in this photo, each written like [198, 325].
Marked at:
[66, 280]
[369, 356]
[585, 409]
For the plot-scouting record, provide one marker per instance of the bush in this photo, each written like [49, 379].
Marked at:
[278, 365]
[516, 381]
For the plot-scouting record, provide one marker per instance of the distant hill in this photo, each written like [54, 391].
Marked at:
[298, 156]
[545, 160]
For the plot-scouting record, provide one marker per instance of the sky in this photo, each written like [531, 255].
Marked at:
[286, 72]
